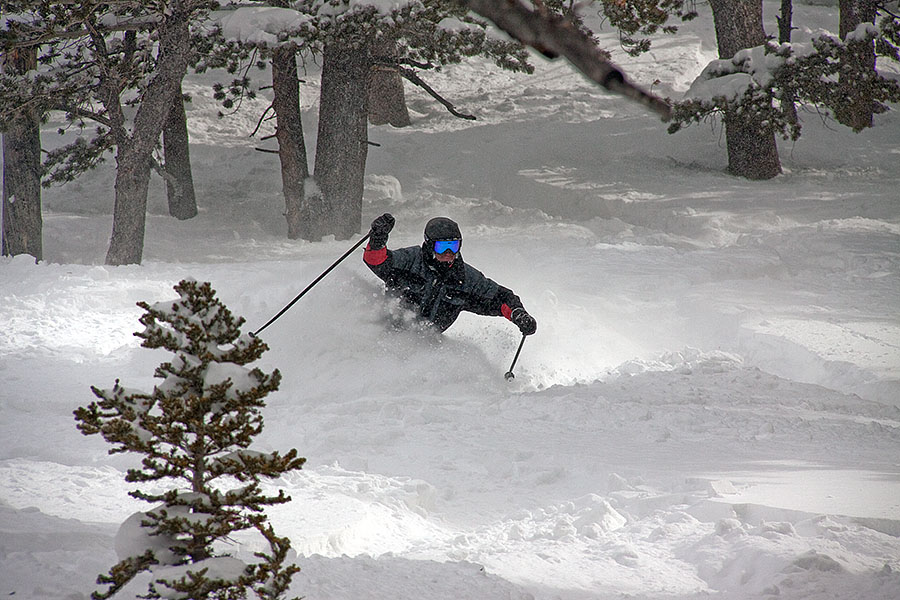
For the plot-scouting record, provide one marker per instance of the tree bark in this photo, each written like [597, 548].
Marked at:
[387, 101]
[126, 245]
[785, 27]
[785, 21]
[342, 144]
[291, 146]
[859, 109]
[22, 221]
[133, 153]
[179, 180]
[752, 151]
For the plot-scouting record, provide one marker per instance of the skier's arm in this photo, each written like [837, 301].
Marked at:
[376, 255]
[486, 297]
[491, 299]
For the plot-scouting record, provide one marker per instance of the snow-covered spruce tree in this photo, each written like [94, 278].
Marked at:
[760, 84]
[756, 80]
[194, 429]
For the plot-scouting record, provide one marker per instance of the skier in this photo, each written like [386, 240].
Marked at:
[435, 282]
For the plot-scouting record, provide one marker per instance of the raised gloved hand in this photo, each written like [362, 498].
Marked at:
[525, 322]
[381, 227]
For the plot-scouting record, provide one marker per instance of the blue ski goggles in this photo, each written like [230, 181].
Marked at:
[441, 246]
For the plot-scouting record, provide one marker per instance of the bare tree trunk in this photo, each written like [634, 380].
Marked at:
[126, 245]
[179, 180]
[387, 101]
[22, 221]
[785, 27]
[752, 151]
[859, 109]
[785, 21]
[133, 153]
[291, 146]
[342, 144]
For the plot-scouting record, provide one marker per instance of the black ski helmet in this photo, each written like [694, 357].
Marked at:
[442, 228]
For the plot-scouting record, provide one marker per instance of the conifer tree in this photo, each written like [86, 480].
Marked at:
[773, 72]
[195, 429]
[764, 83]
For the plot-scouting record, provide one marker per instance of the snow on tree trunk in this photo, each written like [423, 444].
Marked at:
[22, 221]
[752, 151]
[859, 109]
[179, 180]
[289, 133]
[342, 144]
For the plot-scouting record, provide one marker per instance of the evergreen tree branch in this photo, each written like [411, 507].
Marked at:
[122, 573]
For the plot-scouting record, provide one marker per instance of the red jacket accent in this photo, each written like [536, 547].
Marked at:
[506, 311]
[375, 257]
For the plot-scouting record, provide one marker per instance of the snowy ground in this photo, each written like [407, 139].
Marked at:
[710, 407]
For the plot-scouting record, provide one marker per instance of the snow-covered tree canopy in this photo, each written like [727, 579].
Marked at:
[757, 79]
[424, 34]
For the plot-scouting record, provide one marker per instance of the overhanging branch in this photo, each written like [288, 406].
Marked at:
[555, 36]
[411, 75]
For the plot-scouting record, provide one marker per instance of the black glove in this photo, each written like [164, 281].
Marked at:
[381, 227]
[525, 322]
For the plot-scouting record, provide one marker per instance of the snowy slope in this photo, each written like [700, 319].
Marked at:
[710, 407]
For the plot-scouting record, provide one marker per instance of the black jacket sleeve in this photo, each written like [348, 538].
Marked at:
[487, 297]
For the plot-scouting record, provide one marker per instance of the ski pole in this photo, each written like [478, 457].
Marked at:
[310, 286]
[509, 374]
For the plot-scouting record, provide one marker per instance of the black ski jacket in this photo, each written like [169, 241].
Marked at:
[436, 292]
